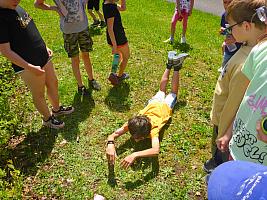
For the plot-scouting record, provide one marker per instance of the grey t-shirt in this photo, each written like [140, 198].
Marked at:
[75, 20]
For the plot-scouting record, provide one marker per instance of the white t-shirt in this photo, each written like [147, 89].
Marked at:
[185, 5]
[244, 144]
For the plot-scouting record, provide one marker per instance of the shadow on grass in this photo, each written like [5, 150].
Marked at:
[35, 148]
[183, 47]
[83, 105]
[180, 104]
[117, 99]
[95, 31]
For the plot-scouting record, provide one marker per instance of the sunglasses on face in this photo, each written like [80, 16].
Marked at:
[228, 30]
[262, 13]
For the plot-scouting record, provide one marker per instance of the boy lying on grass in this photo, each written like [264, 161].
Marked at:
[152, 118]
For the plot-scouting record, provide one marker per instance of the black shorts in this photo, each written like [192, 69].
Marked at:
[39, 57]
[121, 38]
[93, 4]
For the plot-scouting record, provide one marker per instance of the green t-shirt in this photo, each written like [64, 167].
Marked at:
[244, 144]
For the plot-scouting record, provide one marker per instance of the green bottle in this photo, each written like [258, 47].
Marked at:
[115, 63]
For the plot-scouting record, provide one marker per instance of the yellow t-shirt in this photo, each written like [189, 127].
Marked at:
[229, 91]
[158, 113]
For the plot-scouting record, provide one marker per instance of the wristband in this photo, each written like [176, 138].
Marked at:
[264, 125]
[110, 142]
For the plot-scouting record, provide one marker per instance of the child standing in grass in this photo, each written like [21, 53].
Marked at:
[229, 46]
[90, 6]
[183, 9]
[74, 25]
[152, 118]
[22, 44]
[116, 37]
[249, 131]
[232, 83]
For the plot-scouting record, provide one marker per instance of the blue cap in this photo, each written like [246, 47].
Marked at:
[238, 180]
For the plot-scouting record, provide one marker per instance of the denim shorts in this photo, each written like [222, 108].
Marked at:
[75, 41]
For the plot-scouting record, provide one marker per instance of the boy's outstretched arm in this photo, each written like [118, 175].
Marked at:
[154, 151]
[110, 150]
[42, 5]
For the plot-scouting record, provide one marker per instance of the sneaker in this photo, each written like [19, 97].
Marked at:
[94, 84]
[169, 63]
[113, 78]
[183, 40]
[83, 91]
[63, 111]
[179, 59]
[170, 40]
[209, 165]
[123, 77]
[96, 23]
[54, 123]
[103, 24]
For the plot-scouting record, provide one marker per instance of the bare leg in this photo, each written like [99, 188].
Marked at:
[185, 19]
[87, 65]
[51, 83]
[92, 14]
[175, 18]
[124, 55]
[175, 82]
[100, 15]
[36, 84]
[75, 62]
[164, 80]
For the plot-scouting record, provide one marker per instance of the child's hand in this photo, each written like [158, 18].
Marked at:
[37, 70]
[190, 13]
[261, 136]
[223, 143]
[127, 161]
[55, 8]
[111, 153]
[114, 50]
[221, 30]
[49, 51]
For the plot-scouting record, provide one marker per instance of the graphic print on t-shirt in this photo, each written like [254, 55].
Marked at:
[24, 19]
[247, 141]
[185, 5]
[75, 11]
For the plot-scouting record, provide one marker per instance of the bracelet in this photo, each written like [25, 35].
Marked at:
[264, 125]
[110, 142]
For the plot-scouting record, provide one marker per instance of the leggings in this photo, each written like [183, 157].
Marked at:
[176, 17]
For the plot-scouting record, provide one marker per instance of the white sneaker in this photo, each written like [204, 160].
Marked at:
[183, 40]
[170, 40]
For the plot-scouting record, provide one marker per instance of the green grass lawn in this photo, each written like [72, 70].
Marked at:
[55, 165]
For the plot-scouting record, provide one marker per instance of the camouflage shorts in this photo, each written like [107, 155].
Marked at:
[73, 41]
